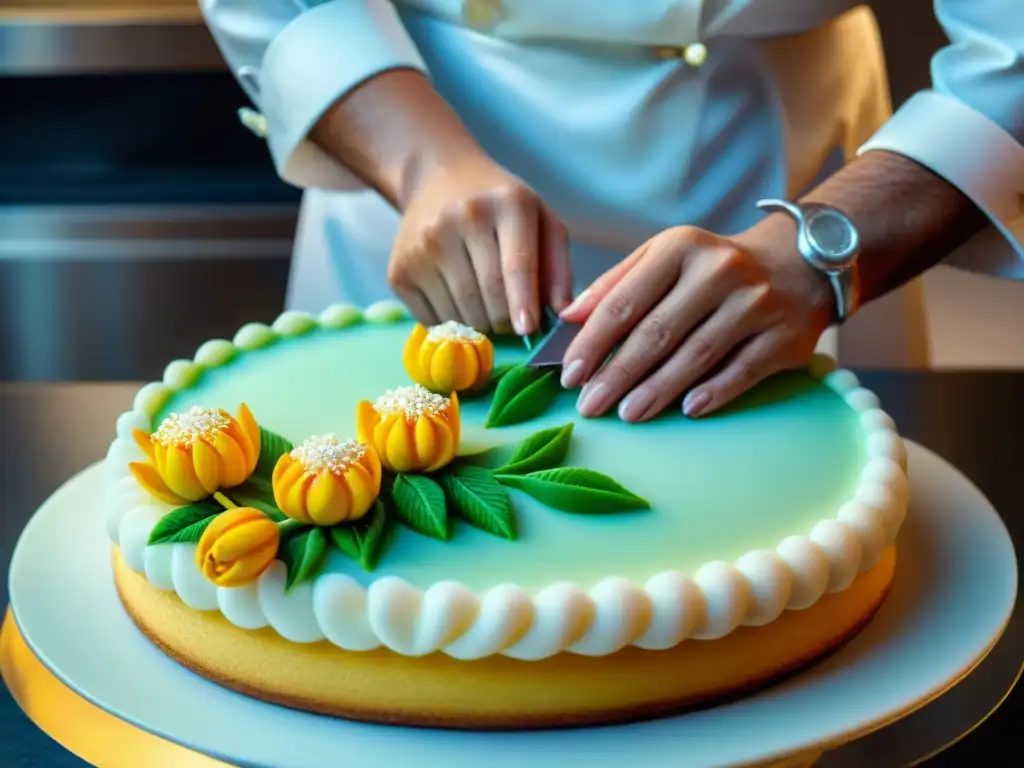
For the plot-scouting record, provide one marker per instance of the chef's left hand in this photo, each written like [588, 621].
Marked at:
[698, 315]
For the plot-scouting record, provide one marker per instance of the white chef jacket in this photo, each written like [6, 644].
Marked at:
[606, 109]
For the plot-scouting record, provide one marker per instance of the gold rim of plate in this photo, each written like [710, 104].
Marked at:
[79, 726]
[100, 738]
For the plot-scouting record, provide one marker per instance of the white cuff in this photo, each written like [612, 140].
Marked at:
[978, 157]
[320, 56]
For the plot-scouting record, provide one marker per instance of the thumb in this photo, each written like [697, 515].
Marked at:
[587, 302]
[555, 265]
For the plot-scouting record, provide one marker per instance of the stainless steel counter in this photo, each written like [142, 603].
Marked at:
[132, 217]
[114, 292]
[146, 232]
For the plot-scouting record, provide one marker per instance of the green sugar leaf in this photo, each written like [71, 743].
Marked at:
[185, 524]
[499, 371]
[258, 494]
[577, 490]
[375, 536]
[272, 448]
[512, 383]
[523, 393]
[541, 450]
[419, 502]
[303, 555]
[364, 540]
[345, 538]
[480, 499]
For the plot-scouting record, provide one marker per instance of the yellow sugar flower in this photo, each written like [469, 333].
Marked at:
[192, 455]
[238, 546]
[325, 481]
[413, 430]
[449, 357]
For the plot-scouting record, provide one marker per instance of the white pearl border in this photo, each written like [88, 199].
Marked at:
[451, 618]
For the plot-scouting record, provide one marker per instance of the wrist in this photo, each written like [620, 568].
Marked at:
[907, 217]
[423, 163]
[368, 131]
[772, 242]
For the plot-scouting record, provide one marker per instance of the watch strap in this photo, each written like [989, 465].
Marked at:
[846, 287]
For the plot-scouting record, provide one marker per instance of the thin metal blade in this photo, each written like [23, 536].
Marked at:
[550, 351]
[548, 320]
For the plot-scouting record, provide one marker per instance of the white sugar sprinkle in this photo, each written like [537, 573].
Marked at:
[412, 401]
[326, 453]
[184, 429]
[454, 331]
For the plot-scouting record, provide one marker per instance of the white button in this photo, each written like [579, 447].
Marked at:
[695, 54]
[254, 121]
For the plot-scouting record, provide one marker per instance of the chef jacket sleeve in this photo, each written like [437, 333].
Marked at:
[296, 58]
[969, 127]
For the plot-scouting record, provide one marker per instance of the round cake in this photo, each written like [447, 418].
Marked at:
[355, 515]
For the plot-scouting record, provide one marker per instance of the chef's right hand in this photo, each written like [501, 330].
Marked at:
[478, 246]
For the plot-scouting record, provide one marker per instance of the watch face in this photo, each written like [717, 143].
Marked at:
[832, 236]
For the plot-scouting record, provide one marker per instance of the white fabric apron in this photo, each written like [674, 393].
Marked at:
[622, 144]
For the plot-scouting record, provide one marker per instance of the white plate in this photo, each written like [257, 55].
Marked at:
[954, 592]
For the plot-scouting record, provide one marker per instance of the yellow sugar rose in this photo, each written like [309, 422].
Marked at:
[325, 481]
[238, 546]
[194, 454]
[450, 357]
[412, 429]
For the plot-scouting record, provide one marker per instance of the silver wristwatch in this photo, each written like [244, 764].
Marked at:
[829, 242]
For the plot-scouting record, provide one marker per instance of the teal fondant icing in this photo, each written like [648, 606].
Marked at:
[784, 457]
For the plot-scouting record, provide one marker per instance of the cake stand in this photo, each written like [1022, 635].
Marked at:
[84, 673]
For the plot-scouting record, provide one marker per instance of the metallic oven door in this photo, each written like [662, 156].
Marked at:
[137, 217]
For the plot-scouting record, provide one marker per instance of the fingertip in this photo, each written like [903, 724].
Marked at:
[570, 315]
[523, 311]
[576, 306]
[696, 403]
[521, 323]
[576, 315]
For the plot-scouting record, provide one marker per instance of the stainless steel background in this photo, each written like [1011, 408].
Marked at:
[48, 37]
[137, 218]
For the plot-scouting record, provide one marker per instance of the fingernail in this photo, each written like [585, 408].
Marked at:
[521, 323]
[636, 405]
[576, 303]
[695, 403]
[572, 374]
[591, 399]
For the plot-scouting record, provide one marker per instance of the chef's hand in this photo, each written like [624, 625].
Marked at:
[479, 246]
[696, 315]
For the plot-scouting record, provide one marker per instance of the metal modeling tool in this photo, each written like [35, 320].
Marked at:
[549, 350]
